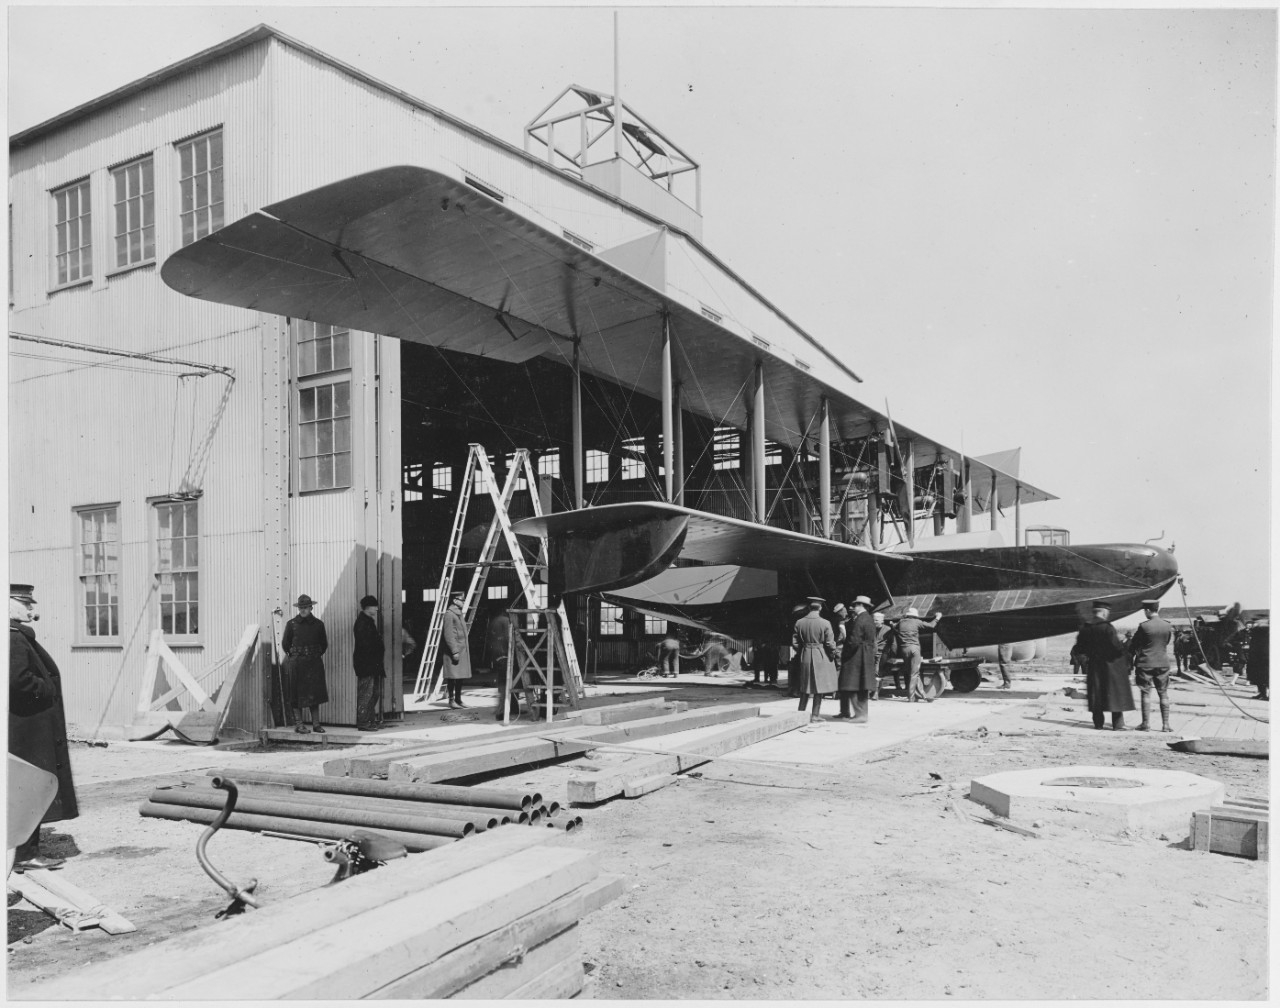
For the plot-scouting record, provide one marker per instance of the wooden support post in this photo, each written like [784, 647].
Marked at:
[964, 520]
[909, 478]
[824, 469]
[668, 405]
[577, 450]
[993, 502]
[1017, 514]
[677, 433]
[757, 446]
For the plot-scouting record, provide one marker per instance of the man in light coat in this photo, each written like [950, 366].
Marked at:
[1150, 651]
[455, 651]
[814, 643]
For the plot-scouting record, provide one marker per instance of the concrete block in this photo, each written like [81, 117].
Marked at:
[1116, 800]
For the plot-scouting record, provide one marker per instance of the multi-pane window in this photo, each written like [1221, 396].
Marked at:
[178, 567]
[324, 436]
[521, 482]
[549, 463]
[633, 458]
[772, 453]
[100, 571]
[597, 466]
[536, 598]
[496, 592]
[442, 477]
[655, 625]
[412, 486]
[610, 620]
[133, 186]
[322, 348]
[73, 239]
[726, 448]
[200, 182]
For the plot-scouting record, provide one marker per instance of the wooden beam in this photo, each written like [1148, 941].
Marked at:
[525, 968]
[192, 954]
[628, 712]
[464, 965]
[638, 774]
[558, 983]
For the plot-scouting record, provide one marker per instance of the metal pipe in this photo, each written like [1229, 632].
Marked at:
[451, 794]
[757, 446]
[993, 501]
[321, 813]
[579, 492]
[909, 476]
[964, 521]
[824, 469]
[617, 94]
[1017, 514]
[535, 817]
[550, 808]
[568, 825]
[677, 433]
[668, 448]
[277, 824]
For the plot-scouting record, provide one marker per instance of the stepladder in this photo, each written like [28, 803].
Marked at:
[479, 479]
[538, 647]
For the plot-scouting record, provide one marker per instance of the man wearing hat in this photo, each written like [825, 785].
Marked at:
[908, 631]
[304, 642]
[1258, 664]
[37, 722]
[1106, 668]
[858, 662]
[455, 652]
[815, 645]
[367, 662]
[1149, 649]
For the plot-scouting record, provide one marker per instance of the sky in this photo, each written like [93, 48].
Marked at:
[1041, 228]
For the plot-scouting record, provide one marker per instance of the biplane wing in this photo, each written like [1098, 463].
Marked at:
[409, 252]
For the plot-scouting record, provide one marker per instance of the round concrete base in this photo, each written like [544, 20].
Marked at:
[1105, 799]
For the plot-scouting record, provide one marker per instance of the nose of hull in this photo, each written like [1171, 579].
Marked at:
[1148, 567]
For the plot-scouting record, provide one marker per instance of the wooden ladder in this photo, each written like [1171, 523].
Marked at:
[535, 651]
[427, 687]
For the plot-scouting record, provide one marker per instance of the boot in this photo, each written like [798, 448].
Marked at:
[1146, 713]
[859, 707]
[804, 701]
[817, 704]
[1164, 716]
[1117, 721]
[844, 706]
[1097, 719]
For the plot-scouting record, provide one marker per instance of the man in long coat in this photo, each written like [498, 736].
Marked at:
[497, 643]
[1106, 668]
[305, 643]
[858, 662]
[366, 660]
[455, 651]
[815, 645]
[37, 722]
[1150, 650]
[1258, 668]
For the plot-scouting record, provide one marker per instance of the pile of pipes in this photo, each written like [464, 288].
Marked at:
[311, 806]
[493, 918]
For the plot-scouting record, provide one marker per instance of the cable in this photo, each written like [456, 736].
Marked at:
[1213, 678]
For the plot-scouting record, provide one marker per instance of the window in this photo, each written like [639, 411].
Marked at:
[73, 241]
[610, 620]
[521, 482]
[442, 477]
[430, 594]
[178, 567]
[496, 592]
[725, 448]
[772, 453]
[322, 348]
[549, 464]
[135, 223]
[597, 466]
[412, 485]
[535, 599]
[324, 436]
[200, 182]
[633, 456]
[655, 625]
[100, 571]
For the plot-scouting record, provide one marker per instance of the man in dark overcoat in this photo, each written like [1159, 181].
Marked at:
[366, 660]
[814, 643]
[858, 662]
[1106, 668]
[37, 721]
[455, 651]
[1258, 669]
[498, 645]
[1150, 651]
[304, 643]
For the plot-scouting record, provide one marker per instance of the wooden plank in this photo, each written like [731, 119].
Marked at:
[150, 669]
[65, 911]
[643, 772]
[1246, 801]
[454, 970]
[452, 765]
[363, 952]
[57, 883]
[628, 712]
[225, 943]
[520, 970]
[561, 981]
[330, 736]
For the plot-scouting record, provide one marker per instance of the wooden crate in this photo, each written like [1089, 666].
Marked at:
[1232, 829]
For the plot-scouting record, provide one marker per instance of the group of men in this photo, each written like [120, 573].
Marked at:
[1107, 661]
[846, 659]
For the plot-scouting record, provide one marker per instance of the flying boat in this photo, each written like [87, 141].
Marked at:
[417, 254]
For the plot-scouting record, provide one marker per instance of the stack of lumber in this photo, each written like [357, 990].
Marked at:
[494, 918]
[67, 903]
[1238, 826]
[421, 817]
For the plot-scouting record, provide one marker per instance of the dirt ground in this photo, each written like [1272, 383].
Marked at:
[849, 880]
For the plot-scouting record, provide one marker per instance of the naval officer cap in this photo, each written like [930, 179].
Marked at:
[22, 592]
[1102, 604]
[814, 598]
[1150, 603]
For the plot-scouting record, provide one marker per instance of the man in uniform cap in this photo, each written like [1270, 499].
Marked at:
[815, 645]
[1150, 651]
[858, 662]
[305, 643]
[37, 724]
[367, 662]
[1106, 668]
[455, 653]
